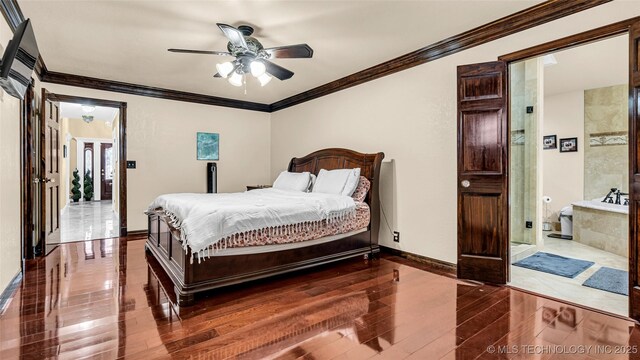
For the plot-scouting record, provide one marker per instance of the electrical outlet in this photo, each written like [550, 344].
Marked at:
[529, 109]
[528, 224]
[396, 236]
[131, 164]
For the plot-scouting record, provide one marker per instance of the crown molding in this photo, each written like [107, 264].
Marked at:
[142, 90]
[511, 24]
[508, 25]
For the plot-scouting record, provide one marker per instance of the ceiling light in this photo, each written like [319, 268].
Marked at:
[257, 68]
[225, 68]
[88, 108]
[236, 79]
[264, 79]
[87, 118]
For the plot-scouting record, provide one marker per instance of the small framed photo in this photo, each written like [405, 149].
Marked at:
[569, 145]
[549, 142]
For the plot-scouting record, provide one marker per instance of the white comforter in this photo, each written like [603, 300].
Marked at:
[205, 221]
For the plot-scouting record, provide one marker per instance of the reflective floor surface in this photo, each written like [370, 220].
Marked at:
[88, 220]
[102, 299]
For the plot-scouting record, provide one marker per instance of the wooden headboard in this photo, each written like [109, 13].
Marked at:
[336, 158]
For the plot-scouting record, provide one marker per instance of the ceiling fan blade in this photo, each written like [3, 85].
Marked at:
[290, 51]
[277, 70]
[234, 35]
[217, 75]
[206, 52]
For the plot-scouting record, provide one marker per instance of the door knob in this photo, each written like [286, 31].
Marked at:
[465, 183]
[46, 180]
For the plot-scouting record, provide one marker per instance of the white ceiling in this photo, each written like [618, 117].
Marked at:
[600, 64]
[127, 40]
[74, 111]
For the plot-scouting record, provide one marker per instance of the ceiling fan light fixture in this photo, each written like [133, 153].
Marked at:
[225, 68]
[235, 79]
[258, 68]
[264, 79]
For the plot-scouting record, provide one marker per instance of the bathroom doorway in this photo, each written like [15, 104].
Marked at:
[569, 174]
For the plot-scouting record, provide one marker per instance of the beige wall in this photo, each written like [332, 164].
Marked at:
[95, 130]
[411, 116]
[563, 172]
[161, 138]
[9, 178]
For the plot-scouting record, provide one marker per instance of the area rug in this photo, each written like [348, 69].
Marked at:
[609, 279]
[554, 264]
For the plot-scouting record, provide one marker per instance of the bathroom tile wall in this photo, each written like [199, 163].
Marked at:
[606, 110]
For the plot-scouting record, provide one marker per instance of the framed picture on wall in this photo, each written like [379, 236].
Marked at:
[208, 146]
[569, 145]
[549, 142]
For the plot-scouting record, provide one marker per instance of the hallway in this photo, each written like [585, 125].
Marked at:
[88, 221]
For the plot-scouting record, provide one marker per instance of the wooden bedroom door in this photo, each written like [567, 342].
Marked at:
[483, 212]
[50, 170]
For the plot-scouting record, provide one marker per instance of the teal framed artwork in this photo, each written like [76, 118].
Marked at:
[208, 146]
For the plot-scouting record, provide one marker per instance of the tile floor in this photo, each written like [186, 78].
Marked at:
[88, 221]
[572, 289]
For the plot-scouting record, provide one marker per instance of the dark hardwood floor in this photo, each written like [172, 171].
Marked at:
[102, 299]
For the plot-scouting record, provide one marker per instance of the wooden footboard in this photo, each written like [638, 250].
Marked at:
[217, 271]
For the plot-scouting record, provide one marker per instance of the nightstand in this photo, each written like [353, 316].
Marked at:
[253, 187]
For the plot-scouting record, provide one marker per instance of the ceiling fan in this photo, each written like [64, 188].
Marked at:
[251, 56]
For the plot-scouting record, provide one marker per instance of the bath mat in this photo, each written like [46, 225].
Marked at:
[611, 280]
[554, 264]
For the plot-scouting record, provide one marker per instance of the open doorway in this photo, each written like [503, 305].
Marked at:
[569, 174]
[81, 171]
[89, 180]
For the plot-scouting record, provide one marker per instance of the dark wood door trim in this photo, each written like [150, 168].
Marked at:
[634, 170]
[121, 149]
[632, 27]
[28, 115]
[597, 34]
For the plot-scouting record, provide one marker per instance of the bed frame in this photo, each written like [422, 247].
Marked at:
[217, 271]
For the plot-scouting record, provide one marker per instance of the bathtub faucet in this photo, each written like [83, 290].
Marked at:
[609, 197]
[626, 201]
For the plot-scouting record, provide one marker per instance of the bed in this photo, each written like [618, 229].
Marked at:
[241, 264]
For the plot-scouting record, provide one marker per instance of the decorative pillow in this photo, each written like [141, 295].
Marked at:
[311, 182]
[339, 181]
[361, 191]
[293, 181]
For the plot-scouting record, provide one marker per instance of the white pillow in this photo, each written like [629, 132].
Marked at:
[339, 181]
[293, 181]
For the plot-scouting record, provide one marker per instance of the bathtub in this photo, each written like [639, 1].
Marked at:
[597, 204]
[602, 225]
